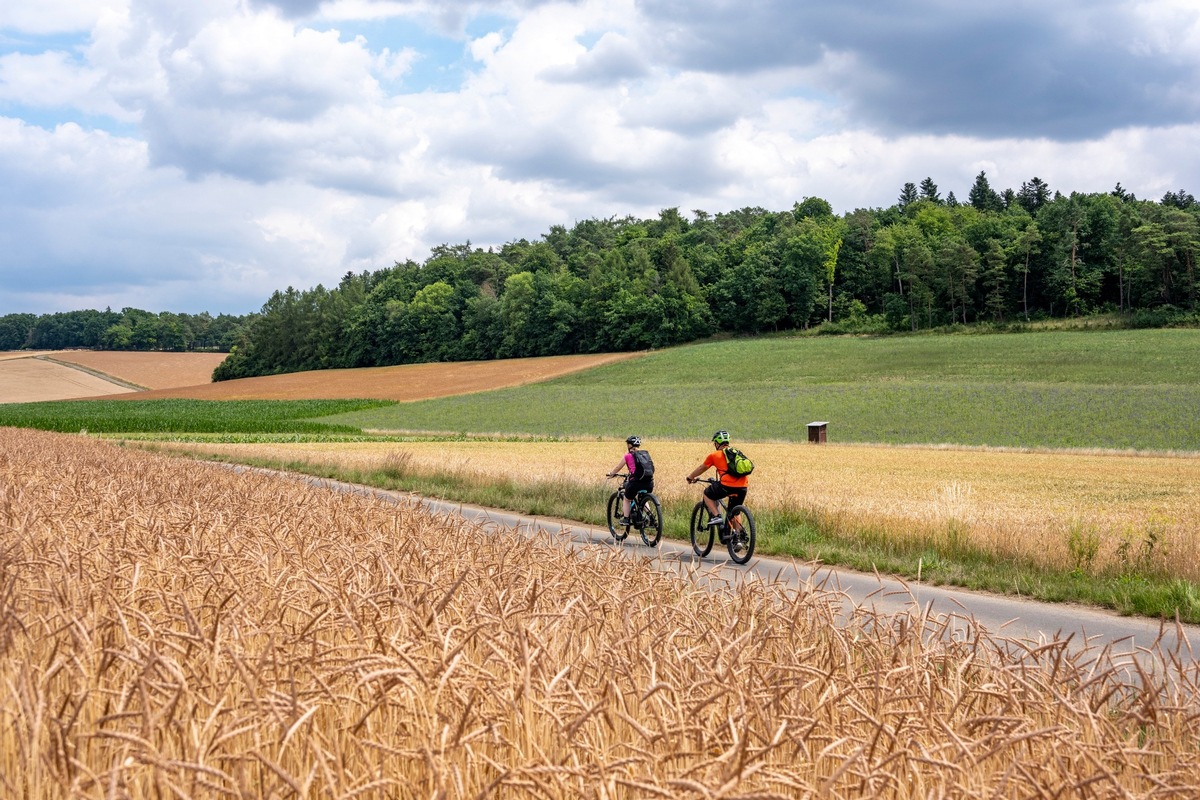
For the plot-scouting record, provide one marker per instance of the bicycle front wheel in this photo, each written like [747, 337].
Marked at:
[618, 531]
[651, 521]
[702, 532]
[741, 542]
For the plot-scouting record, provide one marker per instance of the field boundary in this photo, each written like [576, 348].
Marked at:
[420, 434]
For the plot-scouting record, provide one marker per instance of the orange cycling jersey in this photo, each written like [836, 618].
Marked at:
[717, 459]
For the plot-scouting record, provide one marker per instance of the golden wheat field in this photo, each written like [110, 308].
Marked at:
[1026, 504]
[176, 629]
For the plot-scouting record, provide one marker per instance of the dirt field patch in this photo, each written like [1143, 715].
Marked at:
[32, 380]
[404, 382]
[9, 355]
[34, 376]
[154, 370]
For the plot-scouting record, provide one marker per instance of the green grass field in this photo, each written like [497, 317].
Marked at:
[175, 416]
[1114, 389]
[1125, 389]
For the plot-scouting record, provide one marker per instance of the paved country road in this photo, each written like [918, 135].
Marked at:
[998, 615]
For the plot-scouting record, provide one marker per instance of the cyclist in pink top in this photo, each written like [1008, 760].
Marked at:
[640, 469]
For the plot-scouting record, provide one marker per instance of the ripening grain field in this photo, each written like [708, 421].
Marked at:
[1054, 509]
[174, 629]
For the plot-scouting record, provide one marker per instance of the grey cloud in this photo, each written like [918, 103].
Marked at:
[290, 8]
[216, 144]
[612, 60]
[213, 143]
[452, 16]
[275, 122]
[689, 121]
[1064, 71]
[561, 159]
[690, 111]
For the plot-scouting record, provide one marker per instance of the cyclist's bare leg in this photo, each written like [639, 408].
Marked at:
[625, 506]
[713, 507]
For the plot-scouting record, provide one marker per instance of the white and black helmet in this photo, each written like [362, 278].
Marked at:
[634, 441]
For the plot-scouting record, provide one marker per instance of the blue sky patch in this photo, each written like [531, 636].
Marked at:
[443, 63]
[50, 118]
[33, 45]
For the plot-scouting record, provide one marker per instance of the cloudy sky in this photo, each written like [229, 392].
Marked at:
[195, 155]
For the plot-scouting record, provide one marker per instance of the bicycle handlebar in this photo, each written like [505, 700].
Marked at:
[704, 480]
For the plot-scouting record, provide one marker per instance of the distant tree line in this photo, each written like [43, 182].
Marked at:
[128, 329]
[624, 284]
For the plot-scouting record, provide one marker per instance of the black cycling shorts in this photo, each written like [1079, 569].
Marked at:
[635, 485]
[717, 491]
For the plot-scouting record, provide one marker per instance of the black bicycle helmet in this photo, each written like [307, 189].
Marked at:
[721, 437]
[634, 441]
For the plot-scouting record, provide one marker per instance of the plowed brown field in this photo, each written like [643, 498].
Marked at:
[9, 355]
[33, 376]
[403, 382]
[26, 379]
[32, 380]
[155, 370]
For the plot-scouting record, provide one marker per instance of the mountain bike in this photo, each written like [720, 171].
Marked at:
[740, 541]
[645, 514]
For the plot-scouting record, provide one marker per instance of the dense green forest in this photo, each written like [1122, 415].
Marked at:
[128, 329]
[620, 284]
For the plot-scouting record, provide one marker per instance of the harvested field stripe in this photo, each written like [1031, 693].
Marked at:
[97, 373]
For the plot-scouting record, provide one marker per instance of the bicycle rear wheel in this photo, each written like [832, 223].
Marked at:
[702, 532]
[618, 531]
[741, 542]
[651, 520]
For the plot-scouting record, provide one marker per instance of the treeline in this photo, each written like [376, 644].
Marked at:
[623, 284]
[128, 329]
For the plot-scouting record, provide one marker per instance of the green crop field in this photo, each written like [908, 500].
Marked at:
[1115, 389]
[1135, 390]
[171, 416]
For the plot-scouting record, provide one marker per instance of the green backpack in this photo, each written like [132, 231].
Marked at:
[739, 466]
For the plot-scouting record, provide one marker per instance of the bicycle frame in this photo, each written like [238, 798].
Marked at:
[738, 535]
[635, 507]
[645, 515]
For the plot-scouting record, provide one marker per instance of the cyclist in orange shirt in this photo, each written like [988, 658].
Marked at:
[734, 488]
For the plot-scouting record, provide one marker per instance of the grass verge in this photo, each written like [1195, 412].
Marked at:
[943, 558]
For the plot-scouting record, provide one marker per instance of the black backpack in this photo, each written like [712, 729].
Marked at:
[643, 465]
